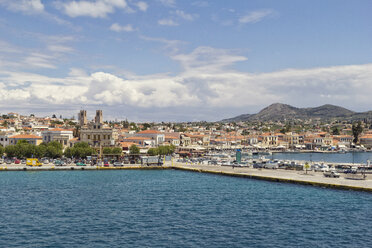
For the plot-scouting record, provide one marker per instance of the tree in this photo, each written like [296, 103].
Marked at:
[107, 150]
[357, 129]
[10, 151]
[2, 150]
[133, 149]
[80, 150]
[146, 126]
[117, 150]
[335, 131]
[153, 152]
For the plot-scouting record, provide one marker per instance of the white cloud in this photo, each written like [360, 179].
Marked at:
[25, 6]
[96, 9]
[184, 15]
[255, 16]
[143, 6]
[60, 48]
[39, 60]
[167, 22]
[118, 28]
[206, 81]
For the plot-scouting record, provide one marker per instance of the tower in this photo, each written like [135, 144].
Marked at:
[99, 118]
[83, 118]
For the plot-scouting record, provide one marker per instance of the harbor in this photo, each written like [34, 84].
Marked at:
[301, 177]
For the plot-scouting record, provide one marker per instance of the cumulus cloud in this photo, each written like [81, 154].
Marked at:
[96, 9]
[184, 15]
[143, 6]
[255, 16]
[25, 6]
[207, 83]
[118, 28]
[167, 22]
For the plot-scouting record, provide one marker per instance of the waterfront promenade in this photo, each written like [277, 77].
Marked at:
[279, 175]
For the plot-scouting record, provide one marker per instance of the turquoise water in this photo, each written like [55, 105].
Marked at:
[356, 157]
[166, 208]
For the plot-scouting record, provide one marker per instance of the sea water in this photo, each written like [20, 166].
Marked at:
[168, 208]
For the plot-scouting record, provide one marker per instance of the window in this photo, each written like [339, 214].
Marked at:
[88, 136]
[104, 136]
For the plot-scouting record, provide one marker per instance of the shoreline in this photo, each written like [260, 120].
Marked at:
[284, 176]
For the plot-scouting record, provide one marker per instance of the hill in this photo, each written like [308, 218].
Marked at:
[279, 111]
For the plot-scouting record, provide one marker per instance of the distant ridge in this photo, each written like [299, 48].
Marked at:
[280, 111]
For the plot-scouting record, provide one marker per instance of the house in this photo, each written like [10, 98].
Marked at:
[366, 140]
[30, 138]
[4, 141]
[60, 135]
[172, 140]
[141, 141]
[157, 136]
[269, 140]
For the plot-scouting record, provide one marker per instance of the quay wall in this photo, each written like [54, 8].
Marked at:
[294, 177]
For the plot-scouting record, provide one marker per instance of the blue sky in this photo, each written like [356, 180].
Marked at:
[173, 60]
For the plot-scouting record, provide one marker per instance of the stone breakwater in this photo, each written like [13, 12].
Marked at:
[284, 176]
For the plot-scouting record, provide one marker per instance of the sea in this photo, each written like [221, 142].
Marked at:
[169, 208]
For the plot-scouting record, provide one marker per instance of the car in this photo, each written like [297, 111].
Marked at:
[9, 161]
[106, 164]
[118, 163]
[80, 164]
[333, 174]
[17, 161]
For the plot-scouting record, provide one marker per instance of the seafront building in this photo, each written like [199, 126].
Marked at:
[63, 136]
[186, 137]
[96, 133]
[32, 139]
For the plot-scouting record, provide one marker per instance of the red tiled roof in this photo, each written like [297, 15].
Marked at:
[61, 129]
[149, 132]
[25, 136]
[138, 138]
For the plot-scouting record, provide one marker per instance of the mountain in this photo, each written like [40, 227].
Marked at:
[279, 111]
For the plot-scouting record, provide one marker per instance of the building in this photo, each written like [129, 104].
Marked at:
[30, 138]
[366, 140]
[157, 136]
[96, 133]
[60, 135]
[83, 118]
[4, 141]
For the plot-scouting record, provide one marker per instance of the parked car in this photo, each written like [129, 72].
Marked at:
[17, 161]
[117, 163]
[331, 174]
[106, 164]
[80, 164]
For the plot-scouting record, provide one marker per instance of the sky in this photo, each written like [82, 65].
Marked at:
[183, 60]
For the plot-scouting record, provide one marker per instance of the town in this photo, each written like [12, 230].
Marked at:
[96, 139]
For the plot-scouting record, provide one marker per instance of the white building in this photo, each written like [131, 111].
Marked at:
[157, 136]
[58, 134]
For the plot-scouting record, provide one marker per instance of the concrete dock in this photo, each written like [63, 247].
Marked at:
[279, 175]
